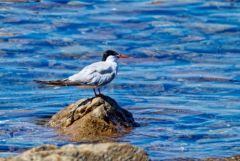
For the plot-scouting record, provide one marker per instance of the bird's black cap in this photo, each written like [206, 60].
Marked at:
[108, 53]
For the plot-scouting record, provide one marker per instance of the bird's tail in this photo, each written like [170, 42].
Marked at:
[64, 82]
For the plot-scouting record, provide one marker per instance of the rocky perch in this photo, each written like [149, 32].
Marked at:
[84, 152]
[93, 118]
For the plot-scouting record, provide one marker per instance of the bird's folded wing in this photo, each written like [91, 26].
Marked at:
[96, 74]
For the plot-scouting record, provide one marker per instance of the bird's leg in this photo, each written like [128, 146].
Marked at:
[94, 92]
[99, 92]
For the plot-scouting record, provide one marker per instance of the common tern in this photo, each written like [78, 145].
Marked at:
[93, 76]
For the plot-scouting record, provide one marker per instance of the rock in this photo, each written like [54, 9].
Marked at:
[156, 2]
[234, 158]
[93, 118]
[75, 3]
[84, 152]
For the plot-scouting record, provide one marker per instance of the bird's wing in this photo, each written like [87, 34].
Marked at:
[96, 74]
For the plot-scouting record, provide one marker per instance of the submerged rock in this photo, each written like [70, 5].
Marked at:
[93, 118]
[233, 158]
[91, 152]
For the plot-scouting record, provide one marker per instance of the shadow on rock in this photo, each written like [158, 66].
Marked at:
[94, 118]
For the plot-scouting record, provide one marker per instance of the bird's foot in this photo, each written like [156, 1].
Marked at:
[100, 95]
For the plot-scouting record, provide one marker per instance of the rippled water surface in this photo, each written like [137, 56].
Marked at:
[182, 82]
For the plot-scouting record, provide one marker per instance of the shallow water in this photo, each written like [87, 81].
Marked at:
[182, 82]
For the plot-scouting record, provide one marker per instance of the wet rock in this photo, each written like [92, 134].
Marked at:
[94, 118]
[94, 152]
[156, 2]
[75, 3]
[234, 158]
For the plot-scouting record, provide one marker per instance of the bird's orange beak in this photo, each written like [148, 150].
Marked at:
[123, 56]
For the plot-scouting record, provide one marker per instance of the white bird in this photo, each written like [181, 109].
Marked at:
[93, 76]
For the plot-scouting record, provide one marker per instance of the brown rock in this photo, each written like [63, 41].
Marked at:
[84, 152]
[234, 158]
[94, 118]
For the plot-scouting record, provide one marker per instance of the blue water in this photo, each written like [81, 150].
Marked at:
[182, 82]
